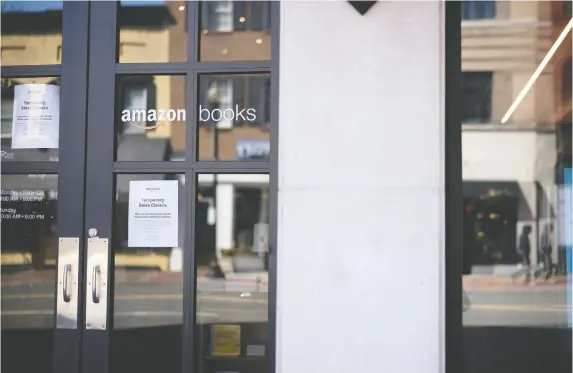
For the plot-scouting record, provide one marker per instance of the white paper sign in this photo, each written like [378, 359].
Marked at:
[36, 117]
[153, 213]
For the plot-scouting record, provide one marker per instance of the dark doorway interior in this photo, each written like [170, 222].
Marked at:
[490, 223]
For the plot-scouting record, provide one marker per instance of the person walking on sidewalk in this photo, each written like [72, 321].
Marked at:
[524, 251]
[546, 251]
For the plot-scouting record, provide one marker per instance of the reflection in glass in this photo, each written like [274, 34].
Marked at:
[29, 250]
[234, 117]
[235, 30]
[148, 303]
[517, 266]
[150, 119]
[31, 32]
[9, 99]
[153, 31]
[231, 244]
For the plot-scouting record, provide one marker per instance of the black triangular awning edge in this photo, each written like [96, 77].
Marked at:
[362, 6]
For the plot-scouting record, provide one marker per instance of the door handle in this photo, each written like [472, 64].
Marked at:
[66, 288]
[96, 288]
[96, 284]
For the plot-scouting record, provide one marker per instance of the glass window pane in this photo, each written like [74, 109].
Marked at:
[234, 117]
[151, 117]
[235, 30]
[29, 251]
[516, 149]
[148, 288]
[30, 119]
[231, 248]
[152, 31]
[31, 32]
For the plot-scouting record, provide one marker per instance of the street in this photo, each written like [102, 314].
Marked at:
[141, 305]
[155, 304]
[527, 306]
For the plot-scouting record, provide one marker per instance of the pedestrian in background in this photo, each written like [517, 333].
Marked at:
[524, 251]
[546, 251]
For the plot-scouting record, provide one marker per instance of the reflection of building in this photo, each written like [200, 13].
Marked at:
[156, 33]
[503, 43]
[240, 205]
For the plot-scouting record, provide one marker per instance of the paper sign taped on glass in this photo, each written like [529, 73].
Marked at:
[36, 117]
[153, 213]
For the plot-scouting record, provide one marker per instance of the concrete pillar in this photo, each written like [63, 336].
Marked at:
[361, 188]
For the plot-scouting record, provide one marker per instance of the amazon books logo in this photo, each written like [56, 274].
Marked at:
[151, 119]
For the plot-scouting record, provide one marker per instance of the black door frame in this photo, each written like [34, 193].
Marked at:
[453, 185]
[70, 166]
[101, 167]
[86, 168]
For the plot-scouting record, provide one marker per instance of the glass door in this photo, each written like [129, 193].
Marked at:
[178, 198]
[44, 94]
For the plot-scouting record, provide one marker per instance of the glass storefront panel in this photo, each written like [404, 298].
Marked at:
[235, 30]
[30, 119]
[148, 287]
[151, 117]
[234, 117]
[231, 256]
[516, 149]
[29, 251]
[31, 32]
[152, 31]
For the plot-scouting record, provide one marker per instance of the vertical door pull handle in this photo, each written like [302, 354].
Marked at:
[96, 288]
[96, 285]
[66, 286]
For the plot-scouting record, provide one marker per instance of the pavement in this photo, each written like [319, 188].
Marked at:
[503, 282]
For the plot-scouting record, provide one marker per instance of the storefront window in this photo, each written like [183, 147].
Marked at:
[516, 151]
[232, 273]
[234, 117]
[235, 30]
[31, 33]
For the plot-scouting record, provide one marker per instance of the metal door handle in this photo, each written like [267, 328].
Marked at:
[96, 275]
[66, 293]
[67, 290]
[97, 263]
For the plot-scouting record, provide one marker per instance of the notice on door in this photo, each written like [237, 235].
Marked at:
[36, 117]
[153, 213]
[225, 340]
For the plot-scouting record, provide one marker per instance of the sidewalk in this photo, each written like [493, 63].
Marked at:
[478, 282]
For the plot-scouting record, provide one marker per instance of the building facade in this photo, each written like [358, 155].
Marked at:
[293, 186]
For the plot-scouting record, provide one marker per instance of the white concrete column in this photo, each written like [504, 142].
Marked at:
[361, 188]
[225, 214]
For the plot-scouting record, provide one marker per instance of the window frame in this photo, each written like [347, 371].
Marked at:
[104, 70]
[455, 355]
[453, 238]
